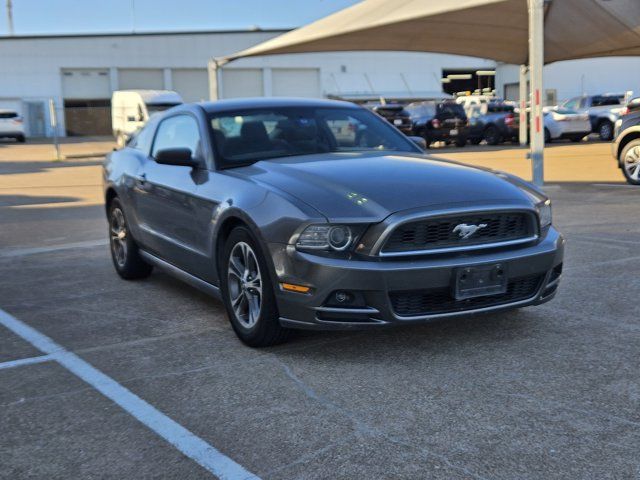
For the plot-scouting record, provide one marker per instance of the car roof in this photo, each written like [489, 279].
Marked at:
[266, 102]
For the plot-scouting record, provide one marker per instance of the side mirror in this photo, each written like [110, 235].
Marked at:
[176, 156]
[419, 141]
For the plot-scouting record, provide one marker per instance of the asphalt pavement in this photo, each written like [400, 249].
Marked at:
[104, 378]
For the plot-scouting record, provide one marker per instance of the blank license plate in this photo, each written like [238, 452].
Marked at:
[480, 281]
[453, 132]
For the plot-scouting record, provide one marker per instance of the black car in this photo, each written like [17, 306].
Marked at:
[394, 113]
[314, 214]
[626, 144]
[493, 122]
[439, 121]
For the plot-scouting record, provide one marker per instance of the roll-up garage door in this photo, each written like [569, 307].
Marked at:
[241, 82]
[191, 83]
[87, 101]
[140, 79]
[296, 82]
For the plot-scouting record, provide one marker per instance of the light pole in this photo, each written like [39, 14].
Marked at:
[10, 18]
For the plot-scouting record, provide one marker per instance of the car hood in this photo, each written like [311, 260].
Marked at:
[371, 186]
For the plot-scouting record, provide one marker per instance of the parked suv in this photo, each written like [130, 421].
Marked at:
[394, 113]
[626, 145]
[603, 111]
[11, 125]
[494, 122]
[439, 121]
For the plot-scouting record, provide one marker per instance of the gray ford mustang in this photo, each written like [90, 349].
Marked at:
[320, 214]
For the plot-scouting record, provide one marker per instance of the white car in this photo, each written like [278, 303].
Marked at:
[131, 109]
[11, 125]
[560, 123]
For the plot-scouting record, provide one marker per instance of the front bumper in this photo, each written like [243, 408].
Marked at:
[375, 280]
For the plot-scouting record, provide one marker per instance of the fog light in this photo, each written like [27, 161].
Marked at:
[343, 297]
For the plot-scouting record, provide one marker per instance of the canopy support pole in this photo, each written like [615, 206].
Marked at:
[215, 79]
[524, 94]
[536, 64]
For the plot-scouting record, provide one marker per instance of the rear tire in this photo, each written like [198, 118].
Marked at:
[605, 131]
[20, 139]
[547, 136]
[576, 139]
[630, 162]
[461, 142]
[247, 292]
[124, 250]
[491, 135]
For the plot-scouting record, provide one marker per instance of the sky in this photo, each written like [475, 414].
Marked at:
[31, 17]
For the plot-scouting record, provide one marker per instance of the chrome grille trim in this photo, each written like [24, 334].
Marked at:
[465, 248]
[377, 248]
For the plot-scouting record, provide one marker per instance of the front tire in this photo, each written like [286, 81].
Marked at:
[461, 142]
[124, 250]
[247, 292]
[630, 162]
[605, 131]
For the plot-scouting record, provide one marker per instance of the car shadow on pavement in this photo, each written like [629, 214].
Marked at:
[10, 167]
[442, 334]
[24, 200]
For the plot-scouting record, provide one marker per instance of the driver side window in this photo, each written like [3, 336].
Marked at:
[180, 131]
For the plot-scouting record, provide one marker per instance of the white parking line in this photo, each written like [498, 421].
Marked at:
[189, 444]
[26, 361]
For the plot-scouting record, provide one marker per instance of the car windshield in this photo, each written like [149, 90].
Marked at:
[246, 136]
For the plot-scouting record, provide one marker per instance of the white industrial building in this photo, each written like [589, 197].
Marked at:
[79, 72]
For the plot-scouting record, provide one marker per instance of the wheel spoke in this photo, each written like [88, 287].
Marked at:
[244, 284]
[236, 268]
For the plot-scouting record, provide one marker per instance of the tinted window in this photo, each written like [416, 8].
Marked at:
[604, 101]
[8, 114]
[451, 108]
[178, 132]
[243, 137]
[499, 107]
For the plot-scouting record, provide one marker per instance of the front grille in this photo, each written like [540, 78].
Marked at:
[441, 300]
[439, 232]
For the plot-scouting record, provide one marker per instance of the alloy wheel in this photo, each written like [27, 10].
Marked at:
[632, 163]
[118, 228]
[244, 282]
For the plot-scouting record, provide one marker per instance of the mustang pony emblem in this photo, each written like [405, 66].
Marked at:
[465, 231]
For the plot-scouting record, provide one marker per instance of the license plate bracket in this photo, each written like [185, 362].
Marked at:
[453, 132]
[480, 281]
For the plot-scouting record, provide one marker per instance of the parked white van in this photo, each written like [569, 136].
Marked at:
[131, 109]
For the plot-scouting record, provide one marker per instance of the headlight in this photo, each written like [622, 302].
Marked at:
[544, 212]
[325, 237]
